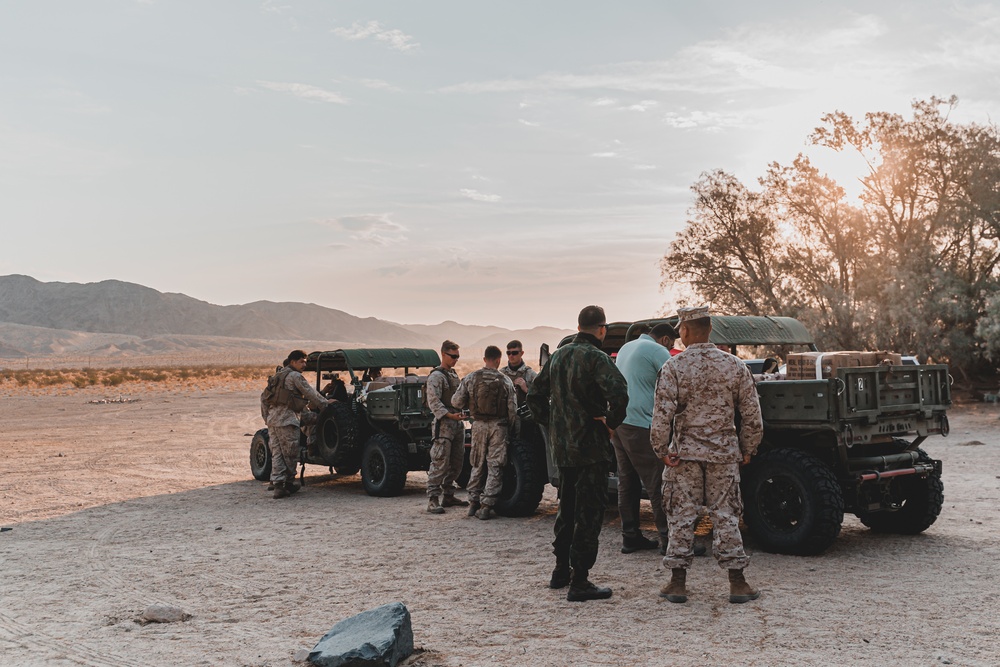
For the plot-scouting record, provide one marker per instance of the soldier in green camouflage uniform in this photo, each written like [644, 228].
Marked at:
[448, 447]
[694, 430]
[579, 397]
[489, 395]
[283, 424]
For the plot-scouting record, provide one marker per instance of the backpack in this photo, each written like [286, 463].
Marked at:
[276, 393]
[489, 396]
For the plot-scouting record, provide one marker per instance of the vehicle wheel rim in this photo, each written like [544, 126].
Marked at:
[780, 503]
[260, 456]
[376, 468]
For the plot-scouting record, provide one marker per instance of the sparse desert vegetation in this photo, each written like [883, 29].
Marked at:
[62, 381]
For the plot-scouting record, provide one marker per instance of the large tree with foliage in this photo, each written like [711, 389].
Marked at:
[911, 266]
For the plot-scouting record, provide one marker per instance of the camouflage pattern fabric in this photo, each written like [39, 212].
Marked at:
[441, 386]
[523, 371]
[579, 384]
[583, 492]
[698, 394]
[488, 458]
[718, 485]
[465, 396]
[284, 444]
[282, 415]
[638, 467]
[447, 456]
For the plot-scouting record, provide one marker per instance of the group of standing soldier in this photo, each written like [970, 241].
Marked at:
[490, 396]
[680, 424]
[674, 426]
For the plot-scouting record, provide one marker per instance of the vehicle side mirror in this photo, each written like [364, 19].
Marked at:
[543, 355]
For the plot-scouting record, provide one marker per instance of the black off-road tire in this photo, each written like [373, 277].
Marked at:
[523, 481]
[922, 499]
[793, 503]
[260, 456]
[383, 466]
[337, 437]
[463, 477]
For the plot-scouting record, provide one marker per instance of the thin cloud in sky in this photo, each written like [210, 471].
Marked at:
[604, 102]
[305, 91]
[529, 123]
[476, 195]
[604, 154]
[379, 84]
[705, 120]
[393, 38]
[373, 228]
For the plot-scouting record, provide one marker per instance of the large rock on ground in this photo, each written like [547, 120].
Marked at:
[379, 637]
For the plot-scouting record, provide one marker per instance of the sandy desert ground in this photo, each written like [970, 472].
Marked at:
[115, 506]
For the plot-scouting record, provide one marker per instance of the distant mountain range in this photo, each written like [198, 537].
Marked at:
[114, 319]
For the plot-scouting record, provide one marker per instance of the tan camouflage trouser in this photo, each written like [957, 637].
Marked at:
[447, 456]
[284, 443]
[716, 486]
[489, 456]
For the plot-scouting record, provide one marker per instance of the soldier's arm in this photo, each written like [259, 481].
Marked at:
[435, 382]
[263, 407]
[752, 424]
[511, 400]
[664, 409]
[614, 389]
[461, 398]
[316, 399]
[538, 396]
[529, 376]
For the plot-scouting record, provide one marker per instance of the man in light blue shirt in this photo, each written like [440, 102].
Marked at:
[640, 361]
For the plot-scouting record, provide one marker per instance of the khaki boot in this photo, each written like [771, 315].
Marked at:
[473, 508]
[434, 505]
[485, 512]
[676, 589]
[292, 487]
[452, 501]
[280, 491]
[739, 590]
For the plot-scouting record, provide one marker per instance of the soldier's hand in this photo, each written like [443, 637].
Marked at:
[746, 459]
[456, 416]
[604, 420]
[672, 460]
[521, 384]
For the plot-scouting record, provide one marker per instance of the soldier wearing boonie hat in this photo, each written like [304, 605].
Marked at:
[694, 431]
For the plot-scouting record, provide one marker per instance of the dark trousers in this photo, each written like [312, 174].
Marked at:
[583, 492]
[638, 463]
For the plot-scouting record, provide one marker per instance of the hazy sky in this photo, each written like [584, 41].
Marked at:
[494, 163]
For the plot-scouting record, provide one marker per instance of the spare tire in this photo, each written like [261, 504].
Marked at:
[260, 456]
[336, 436]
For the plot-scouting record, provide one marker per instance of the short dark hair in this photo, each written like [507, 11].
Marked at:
[591, 316]
[639, 329]
[492, 352]
[295, 355]
[515, 345]
[663, 329]
[449, 345]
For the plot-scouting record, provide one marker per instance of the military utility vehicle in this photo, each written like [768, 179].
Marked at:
[846, 443]
[383, 428]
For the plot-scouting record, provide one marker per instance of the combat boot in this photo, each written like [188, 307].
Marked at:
[452, 501]
[581, 590]
[280, 491]
[485, 512]
[739, 590]
[292, 487]
[434, 506]
[676, 590]
[635, 543]
[474, 507]
[560, 576]
[270, 486]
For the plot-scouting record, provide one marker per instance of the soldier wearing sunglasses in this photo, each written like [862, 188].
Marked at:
[520, 373]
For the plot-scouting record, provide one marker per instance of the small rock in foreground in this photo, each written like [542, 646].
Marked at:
[163, 613]
[375, 638]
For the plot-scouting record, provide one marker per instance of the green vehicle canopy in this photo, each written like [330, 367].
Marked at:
[374, 357]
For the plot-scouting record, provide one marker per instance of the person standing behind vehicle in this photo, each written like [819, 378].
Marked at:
[448, 447]
[579, 396]
[281, 409]
[490, 397]
[520, 373]
[698, 396]
[640, 361]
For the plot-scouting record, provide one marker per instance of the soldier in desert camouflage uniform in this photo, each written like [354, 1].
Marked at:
[448, 448]
[520, 373]
[490, 397]
[694, 431]
[283, 423]
[579, 397]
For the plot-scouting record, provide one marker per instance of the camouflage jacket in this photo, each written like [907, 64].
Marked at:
[523, 371]
[441, 386]
[282, 415]
[699, 394]
[465, 395]
[579, 384]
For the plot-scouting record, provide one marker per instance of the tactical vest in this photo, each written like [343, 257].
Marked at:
[277, 393]
[450, 387]
[513, 375]
[488, 395]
